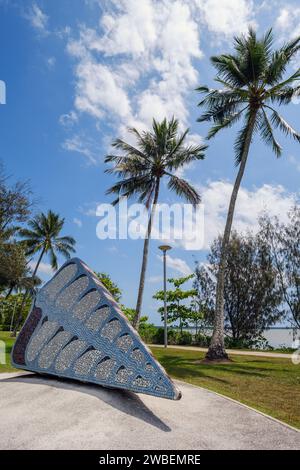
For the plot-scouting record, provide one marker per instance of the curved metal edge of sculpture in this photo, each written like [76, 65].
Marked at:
[76, 330]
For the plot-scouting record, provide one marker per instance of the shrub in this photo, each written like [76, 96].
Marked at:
[243, 343]
[184, 338]
[202, 340]
[172, 336]
[159, 336]
[148, 332]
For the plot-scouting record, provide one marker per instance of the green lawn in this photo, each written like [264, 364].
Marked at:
[5, 336]
[271, 385]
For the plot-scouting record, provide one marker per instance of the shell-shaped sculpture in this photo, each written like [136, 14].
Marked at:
[77, 330]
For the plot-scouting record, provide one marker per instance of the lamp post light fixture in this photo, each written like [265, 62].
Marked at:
[164, 249]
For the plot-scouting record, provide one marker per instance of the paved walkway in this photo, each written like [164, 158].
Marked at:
[44, 413]
[230, 351]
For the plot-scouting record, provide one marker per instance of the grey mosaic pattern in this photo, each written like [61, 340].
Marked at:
[124, 342]
[60, 280]
[81, 333]
[86, 305]
[85, 363]
[123, 375]
[104, 369]
[97, 318]
[149, 368]
[138, 356]
[68, 296]
[40, 338]
[68, 355]
[111, 330]
[50, 351]
[140, 382]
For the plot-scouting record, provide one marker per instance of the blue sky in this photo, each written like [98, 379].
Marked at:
[78, 72]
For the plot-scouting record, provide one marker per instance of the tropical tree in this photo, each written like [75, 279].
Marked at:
[110, 285]
[252, 297]
[15, 206]
[159, 153]
[252, 80]
[43, 237]
[15, 273]
[283, 240]
[176, 309]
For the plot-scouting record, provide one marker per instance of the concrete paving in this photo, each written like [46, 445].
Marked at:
[38, 412]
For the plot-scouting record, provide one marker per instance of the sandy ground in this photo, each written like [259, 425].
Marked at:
[44, 413]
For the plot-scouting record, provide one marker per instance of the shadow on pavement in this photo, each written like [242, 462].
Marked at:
[123, 400]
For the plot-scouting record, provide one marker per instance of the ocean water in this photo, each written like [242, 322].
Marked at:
[277, 336]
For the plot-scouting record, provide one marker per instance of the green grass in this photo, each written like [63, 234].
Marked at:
[271, 385]
[9, 342]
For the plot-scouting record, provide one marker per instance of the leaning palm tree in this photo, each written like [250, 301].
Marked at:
[43, 236]
[158, 153]
[252, 80]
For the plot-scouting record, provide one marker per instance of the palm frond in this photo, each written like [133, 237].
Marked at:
[183, 189]
[267, 134]
[227, 122]
[241, 140]
[283, 125]
[228, 69]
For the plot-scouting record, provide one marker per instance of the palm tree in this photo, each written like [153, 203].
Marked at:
[158, 153]
[43, 236]
[252, 80]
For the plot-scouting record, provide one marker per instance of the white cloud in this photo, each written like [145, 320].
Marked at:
[44, 268]
[250, 205]
[51, 61]
[177, 264]
[77, 222]
[89, 208]
[99, 92]
[288, 21]
[226, 17]
[295, 162]
[82, 145]
[112, 249]
[154, 279]
[37, 18]
[68, 119]
[139, 63]
[148, 48]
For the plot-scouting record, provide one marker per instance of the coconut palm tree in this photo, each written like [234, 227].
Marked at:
[43, 237]
[158, 153]
[253, 81]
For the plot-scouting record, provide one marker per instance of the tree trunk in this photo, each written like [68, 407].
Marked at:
[9, 292]
[138, 309]
[216, 349]
[20, 316]
[180, 319]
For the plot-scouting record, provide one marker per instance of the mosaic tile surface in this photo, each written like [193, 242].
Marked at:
[76, 330]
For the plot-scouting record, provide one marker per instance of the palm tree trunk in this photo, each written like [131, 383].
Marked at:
[138, 309]
[20, 316]
[216, 349]
[9, 292]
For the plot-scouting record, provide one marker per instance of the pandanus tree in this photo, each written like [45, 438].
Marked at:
[43, 237]
[252, 81]
[158, 154]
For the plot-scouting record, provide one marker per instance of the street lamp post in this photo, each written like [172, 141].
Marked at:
[164, 249]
